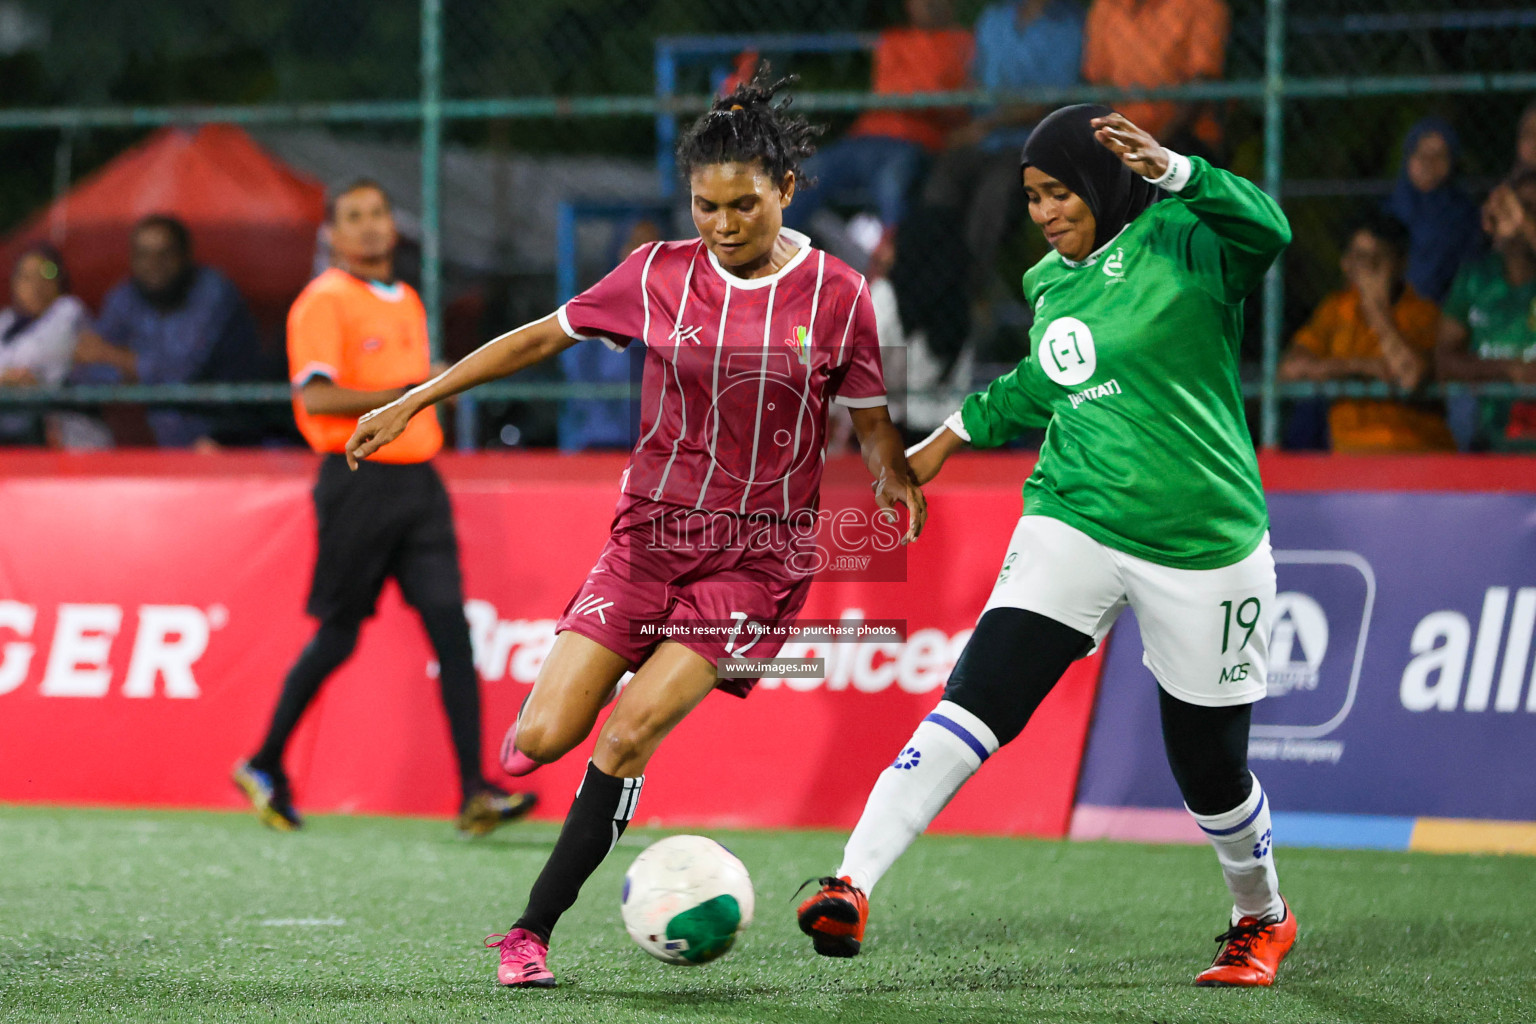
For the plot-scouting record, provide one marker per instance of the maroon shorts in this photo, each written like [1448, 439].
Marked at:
[719, 584]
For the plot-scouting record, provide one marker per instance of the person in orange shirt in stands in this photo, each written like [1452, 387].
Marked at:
[1148, 44]
[1378, 328]
[357, 339]
[885, 150]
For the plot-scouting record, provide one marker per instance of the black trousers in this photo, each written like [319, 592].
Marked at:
[382, 520]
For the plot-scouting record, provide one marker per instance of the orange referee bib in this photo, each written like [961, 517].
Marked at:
[365, 336]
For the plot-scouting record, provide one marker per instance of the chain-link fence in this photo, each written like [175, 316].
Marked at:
[528, 145]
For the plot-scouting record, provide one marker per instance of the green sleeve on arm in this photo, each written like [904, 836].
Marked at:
[1010, 405]
[1458, 301]
[1237, 230]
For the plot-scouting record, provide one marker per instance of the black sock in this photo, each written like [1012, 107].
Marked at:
[602, 809]
[331, 645]
[459, 687]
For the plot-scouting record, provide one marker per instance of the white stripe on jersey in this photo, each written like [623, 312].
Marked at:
[851, 312]
[661, 399]
[762, 386]
[810, 333]
[682, 395]
[682, 430]
[645, 295]
[661, 403]
[682, 303]
[714, 389]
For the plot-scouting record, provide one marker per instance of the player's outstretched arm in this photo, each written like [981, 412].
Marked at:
[880, 444]
[497, 358]
[927, 457]
[1247, 229]
[1013, 403]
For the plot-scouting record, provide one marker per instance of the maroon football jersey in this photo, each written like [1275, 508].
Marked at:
[738, 373]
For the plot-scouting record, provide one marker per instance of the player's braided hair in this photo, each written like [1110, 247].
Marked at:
[746, 126]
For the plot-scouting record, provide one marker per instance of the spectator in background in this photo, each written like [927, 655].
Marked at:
[1442, 219]
[1149, 44]
[927, 276]
[1020, 45]
[1377, 328]
[1525, 140]
[885, 150]
[172, 322]
[38, 334]
[1488, 325]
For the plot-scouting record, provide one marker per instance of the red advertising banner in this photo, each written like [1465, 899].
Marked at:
[150, 604]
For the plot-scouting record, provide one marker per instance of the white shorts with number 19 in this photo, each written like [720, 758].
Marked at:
[1205, 631]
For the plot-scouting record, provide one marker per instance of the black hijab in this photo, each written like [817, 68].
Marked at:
[1063, 146]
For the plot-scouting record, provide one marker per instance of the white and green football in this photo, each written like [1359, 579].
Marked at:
[686, 898]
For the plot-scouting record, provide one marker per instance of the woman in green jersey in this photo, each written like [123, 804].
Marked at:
[1146, 495]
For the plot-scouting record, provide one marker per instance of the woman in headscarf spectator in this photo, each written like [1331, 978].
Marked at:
[38, 334]
[1442, 220]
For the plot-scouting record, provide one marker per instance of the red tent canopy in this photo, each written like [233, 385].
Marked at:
[250, 215]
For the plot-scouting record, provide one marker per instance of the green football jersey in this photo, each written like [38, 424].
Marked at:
[1500, 317]
[1133, 371]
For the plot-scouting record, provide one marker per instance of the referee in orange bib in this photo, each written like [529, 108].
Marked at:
[357, 339]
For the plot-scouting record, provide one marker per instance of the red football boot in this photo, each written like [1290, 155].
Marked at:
[834, 918]
[1251, 952]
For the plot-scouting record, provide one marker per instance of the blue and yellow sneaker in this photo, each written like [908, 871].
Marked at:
[269, 794]
[489, 807]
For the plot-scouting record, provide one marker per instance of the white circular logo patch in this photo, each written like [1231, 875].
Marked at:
[1066, 351]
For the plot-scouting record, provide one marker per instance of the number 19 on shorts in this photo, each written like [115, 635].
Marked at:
[1245, 617]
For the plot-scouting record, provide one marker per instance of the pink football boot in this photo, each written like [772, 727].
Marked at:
[516, 763]
[522, 959]
[513, 761]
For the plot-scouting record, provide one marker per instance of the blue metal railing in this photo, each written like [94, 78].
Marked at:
[568, 218]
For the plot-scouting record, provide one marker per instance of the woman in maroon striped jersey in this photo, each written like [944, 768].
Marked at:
[750, 335]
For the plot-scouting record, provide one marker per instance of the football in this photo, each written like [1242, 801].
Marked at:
[686, 898]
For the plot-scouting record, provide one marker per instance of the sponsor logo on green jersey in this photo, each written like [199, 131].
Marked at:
[1067, 354]
[1114, 266]
[1109, 387]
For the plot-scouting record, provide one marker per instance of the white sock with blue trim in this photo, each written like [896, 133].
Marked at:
[1244, 842]
[947, 748]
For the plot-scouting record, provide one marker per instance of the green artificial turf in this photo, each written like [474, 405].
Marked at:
[165, 916]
